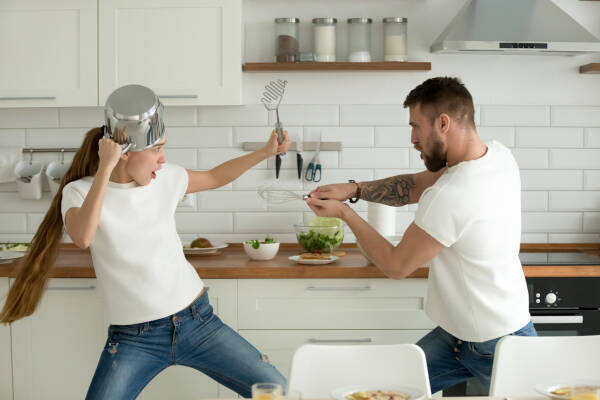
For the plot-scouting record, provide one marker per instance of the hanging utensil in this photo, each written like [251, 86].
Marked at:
[313, 171]
[299, 159]
[279, 196]
[272, 96]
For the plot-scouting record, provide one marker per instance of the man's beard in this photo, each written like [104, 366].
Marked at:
[437, 160]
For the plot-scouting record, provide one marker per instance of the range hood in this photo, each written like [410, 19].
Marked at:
[515, 27]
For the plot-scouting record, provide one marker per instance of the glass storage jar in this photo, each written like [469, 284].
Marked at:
[286, 39]
[324, 39]
[394, 38]
[359, 39]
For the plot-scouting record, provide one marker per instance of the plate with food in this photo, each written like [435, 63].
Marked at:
[563, 391]
[202, 246]
[377, 392]
[7, 256]
[314, 258]
[22, 247]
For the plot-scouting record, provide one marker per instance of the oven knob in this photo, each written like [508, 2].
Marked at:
[550, 298]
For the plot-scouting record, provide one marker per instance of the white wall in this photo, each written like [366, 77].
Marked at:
[539, 106]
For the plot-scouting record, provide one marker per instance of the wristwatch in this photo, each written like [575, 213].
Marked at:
[357, 196]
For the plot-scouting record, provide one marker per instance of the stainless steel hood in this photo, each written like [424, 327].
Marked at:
[515, 27]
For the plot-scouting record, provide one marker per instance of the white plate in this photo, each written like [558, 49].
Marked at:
[204, 250]
[313, 262]
[341, 393]
[547, 390]
[8, 256]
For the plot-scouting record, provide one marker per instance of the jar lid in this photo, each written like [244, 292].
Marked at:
[287, 20]
[360, 20]
[395, 19]
[328, 21]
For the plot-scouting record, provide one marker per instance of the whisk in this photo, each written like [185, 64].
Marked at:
[272, 96]
[279, 196]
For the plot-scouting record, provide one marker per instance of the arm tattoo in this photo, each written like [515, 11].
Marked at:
[393, 191]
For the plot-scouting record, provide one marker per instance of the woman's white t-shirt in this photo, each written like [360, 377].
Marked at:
[137, 254]
[477, 288]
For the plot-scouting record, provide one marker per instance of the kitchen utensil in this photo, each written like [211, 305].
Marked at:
[341, 393]
[299, 160]
[300, 260]
[9, 256]
[554, 391]
[55, 172]
[279, 196]
[134, 118]
[271, 99]
[204, 250]
[313, 171]
[266, 251]
[319, 239]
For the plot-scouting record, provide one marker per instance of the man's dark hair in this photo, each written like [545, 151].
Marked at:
[443, 95]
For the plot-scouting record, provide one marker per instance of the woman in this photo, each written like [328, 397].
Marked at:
[119, 198]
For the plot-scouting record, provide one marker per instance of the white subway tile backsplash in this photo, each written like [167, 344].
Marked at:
[28, 118]
[248, 115]
[574, 159]
[210, 158]
[34, 221]
[533, 222]
[16, 237]
[8, 187]
[16, 223]
[534, 238]
[61, 137]
[514, 115]
[329, 159]
[403, 221]
[180, 116]
[534, 201]
[340, 176]
[574, 237]
[531, 158]
[81, 117]
[551, 179]
[502, 134]
[592, 137]
[415, 160]
[374, 158]
[307, 115]
[12, 137]
[586, 116]
[550, 137]
[11, 202]
[591, 180]
[575, 201]
[393, 136]
[228, 201]
[209, 222]
[386, 173]
[591, 222]
[373, 115]
[255, 178]
[203, 137]
[350, 136]
[186, 158]
[273, 222]
[261, 134]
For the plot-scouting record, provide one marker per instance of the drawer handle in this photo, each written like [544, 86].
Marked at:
[338, 289]
[29, 98]
[178, 96]
[65, 288]
[364, 340]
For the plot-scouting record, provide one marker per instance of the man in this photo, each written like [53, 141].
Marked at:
[467, 227]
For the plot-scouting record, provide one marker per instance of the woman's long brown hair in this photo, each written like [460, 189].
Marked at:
[34, 269]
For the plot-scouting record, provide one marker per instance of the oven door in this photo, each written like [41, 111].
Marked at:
[566, 322]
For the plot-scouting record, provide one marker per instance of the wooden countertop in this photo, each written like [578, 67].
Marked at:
[232, 263]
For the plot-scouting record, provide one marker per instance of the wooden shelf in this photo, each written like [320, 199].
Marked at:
[593, 68]
[338, 66]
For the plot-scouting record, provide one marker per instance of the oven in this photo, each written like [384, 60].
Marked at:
[558, 307]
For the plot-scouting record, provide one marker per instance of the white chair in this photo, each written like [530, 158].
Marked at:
[522, 362]
[318, 369]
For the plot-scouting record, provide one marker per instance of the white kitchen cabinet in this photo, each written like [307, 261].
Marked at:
[6, 390]
[280, 345]
[49, 53]
[55, 351]
[187, 51]
[332, 304]
[186, 383]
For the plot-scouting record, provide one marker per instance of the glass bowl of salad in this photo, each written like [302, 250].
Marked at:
[321, 235]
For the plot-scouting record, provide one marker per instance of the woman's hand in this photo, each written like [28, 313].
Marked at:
[109, 152]
[273, 147]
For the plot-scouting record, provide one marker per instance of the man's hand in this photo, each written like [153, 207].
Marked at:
[327, 208]
[338, 191]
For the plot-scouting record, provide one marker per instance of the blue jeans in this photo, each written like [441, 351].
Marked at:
[451, 361]
[194, 337]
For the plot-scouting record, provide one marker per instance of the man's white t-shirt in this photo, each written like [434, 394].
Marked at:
[477, 288]
[137, 254]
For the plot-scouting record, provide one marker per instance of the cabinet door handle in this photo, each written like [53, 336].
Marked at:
[66, 288]
[364, 340]
[29, 98]
[178, 96]
[557, 319]
[338, 289]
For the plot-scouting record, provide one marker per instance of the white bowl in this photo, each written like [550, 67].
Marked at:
[265, 251]
[393, 239]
